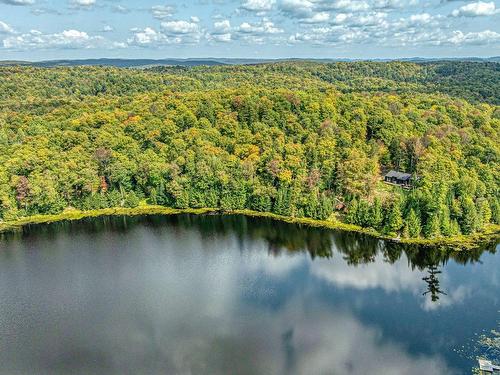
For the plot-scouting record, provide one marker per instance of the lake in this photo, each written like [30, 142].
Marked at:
[215, 294]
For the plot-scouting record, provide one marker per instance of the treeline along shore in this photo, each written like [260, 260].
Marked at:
[300, 141]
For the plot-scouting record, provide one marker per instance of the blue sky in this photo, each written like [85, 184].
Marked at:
[49, 29]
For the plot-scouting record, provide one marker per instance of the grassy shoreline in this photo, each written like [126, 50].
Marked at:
[462, 242]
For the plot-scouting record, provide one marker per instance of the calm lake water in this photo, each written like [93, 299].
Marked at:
[235, 295]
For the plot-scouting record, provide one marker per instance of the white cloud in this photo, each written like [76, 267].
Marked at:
[393, 4]
[222, 26]
[145, 36]
[373, 19]
[224, 38]
[476, 10]
[257, 32]
[172, 32]
[318, 11]
[120, 9]
[421, 18]
[319, 22]
[378, 28]
[5, 29]
[162, 11]
[18, 2]
[349, 5]
[221, 32]
[298, 8]
[67, 39]
[258, 5]
[340, 18]
[261, 28]
[474, 38]
[317, 18]
[180, 27]
[83, 3]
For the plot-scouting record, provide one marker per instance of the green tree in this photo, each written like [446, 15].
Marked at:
[394, 218]
[414, 224]
[376, 214]
[495, 210]
[469, 221]
[432, 228]
[484, 212]
[352, 212]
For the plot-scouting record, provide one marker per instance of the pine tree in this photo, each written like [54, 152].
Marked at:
[414, 225]
[363, 216]
[433, 227]
[153, 196]
[454, 228]
[495, 210]
[468, 222]
[406, 231]
[352, 212]
[282, 203]
[325, 207]
[445, 221]
[394, 220]
[312, 206]
[376, 214]
[484, 212]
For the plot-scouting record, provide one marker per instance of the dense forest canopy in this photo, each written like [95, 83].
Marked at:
[297, 139]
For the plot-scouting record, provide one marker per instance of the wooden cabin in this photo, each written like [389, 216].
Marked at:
[398, 178]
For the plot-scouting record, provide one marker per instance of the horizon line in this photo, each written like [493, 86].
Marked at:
[255, 58]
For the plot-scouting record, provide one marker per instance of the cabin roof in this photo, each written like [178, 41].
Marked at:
[399, 175]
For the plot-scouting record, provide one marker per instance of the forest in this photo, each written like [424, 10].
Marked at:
[298, 139]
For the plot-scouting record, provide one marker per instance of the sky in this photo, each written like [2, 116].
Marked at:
[361, 29]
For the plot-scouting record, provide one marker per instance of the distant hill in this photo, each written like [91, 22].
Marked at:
[121, 63]
[143, 63]
[136, 63]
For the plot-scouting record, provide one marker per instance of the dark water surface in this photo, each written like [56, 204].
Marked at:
[234, 295]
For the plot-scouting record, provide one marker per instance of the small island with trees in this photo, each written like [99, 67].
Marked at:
[300, 141]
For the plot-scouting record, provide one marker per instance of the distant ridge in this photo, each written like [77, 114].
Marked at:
[122, 63]
[138, 63]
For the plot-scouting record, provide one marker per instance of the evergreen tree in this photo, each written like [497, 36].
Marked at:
[445, 221]
[376, 214]
[153, 196]
[484, 212]
[352, 212]
[454, 228]
[414, 225]
[468, 222]
[432, 228]
[394, 219]
[311, 207]
[363, 215]
[282, 203]
[325, 207]
[495, 210]
[406, 231]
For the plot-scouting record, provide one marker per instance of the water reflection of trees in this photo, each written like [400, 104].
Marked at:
[354, 248]
[283, 237]
[432, 281]
[279, 236]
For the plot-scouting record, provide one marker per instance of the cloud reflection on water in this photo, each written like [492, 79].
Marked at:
[176, 300]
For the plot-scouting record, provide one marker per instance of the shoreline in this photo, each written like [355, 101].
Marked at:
[462, 242]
